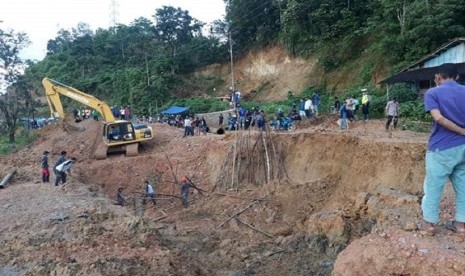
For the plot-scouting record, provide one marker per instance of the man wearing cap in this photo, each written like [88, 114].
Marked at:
[62, 169]
[45, 170]
[60, 160]
[445, 158]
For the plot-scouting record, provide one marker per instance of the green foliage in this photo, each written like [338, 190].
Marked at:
[23, 139]
[415, 111]
[416, 126]
[253, 23]
[15, 92]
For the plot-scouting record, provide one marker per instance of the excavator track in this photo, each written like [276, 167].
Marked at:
[132, 149]
[101, 151]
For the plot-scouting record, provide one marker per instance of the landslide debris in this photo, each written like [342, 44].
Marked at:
[338, 187]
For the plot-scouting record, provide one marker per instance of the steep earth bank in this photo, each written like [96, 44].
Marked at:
[339, 187]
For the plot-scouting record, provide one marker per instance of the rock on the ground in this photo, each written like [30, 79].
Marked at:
[329, 224]
[396, 252]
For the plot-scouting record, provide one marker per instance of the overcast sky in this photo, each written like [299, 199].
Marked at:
[41, 19]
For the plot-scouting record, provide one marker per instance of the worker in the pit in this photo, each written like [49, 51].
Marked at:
[63, 169]
[120, 199]
[150, 192]
[45, 170]
[185, 191]
[60, 160]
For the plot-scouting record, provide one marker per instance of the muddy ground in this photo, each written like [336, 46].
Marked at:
[339, 187]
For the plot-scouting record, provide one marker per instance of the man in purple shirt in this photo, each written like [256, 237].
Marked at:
[445, 158]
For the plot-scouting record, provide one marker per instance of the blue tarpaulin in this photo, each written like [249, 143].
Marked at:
[175, 110]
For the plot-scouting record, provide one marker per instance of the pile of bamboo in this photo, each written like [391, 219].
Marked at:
[253, 158]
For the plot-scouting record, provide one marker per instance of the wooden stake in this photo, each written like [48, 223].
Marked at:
[267, 164]
[234, 159]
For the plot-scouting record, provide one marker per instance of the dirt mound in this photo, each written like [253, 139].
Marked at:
[275, 228]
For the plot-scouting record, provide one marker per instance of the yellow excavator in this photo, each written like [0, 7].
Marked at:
[118, 135]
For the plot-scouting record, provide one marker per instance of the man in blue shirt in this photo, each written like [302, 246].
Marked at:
[445, 158]
[316, 103]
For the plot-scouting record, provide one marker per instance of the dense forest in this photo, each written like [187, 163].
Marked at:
[145, 64]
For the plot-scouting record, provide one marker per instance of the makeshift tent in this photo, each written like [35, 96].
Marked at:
[175, 110]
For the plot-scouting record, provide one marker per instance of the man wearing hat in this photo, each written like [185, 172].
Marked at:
[62, 169]
[45, 170]
[60, 160]
[445, 158]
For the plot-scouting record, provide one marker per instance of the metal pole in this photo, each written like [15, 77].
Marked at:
[232, 62]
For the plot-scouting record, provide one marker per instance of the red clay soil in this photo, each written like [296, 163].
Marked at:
[296, 226]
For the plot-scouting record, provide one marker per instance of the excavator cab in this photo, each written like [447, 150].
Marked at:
[119, 131]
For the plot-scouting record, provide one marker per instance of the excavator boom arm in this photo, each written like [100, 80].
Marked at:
[53, 89]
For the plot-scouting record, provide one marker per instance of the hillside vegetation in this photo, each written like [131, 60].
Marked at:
[148, 63]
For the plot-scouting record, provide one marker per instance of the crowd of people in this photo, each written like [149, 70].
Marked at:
[150, 195]
[349, 108]
[64, 164]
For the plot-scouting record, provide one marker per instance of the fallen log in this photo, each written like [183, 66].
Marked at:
[7, 178]
[194, 186]
[241, 197]
[241, 211]
[253, 228]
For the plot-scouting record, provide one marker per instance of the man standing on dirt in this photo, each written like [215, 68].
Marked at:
[241, 112]
[350, 106]
[185, 191]
[45, 170]
[62, 169]
[120, 199]
[392, 112]
[150, 192]
[316, 102]
[220, 120]
[445, 158]
[308, 108]
[60, 160]
[365, 105]
[187, 126]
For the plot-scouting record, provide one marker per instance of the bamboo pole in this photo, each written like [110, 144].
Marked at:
[268, 168]
[234, 159]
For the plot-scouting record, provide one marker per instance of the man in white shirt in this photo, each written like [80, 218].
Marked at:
[62, 169]
[187, 126]
[150, 192]
[308, 108]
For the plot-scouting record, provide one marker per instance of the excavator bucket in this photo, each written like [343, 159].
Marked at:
[69, 126]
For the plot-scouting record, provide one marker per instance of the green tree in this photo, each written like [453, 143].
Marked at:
[15, 93]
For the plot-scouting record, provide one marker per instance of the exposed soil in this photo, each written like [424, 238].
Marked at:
[339, 187]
